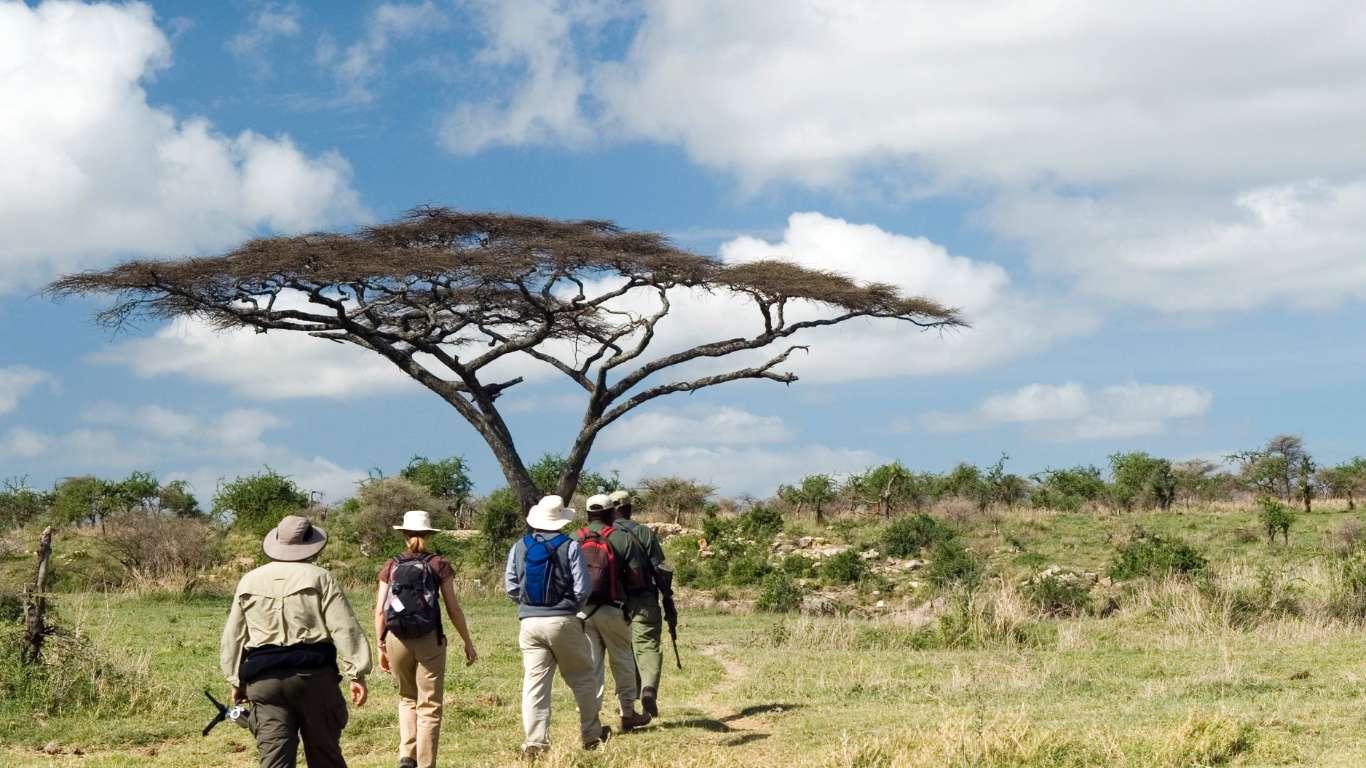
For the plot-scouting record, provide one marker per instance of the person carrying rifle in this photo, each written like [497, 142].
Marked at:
[616, 565]
[290, 638]
[642, 603]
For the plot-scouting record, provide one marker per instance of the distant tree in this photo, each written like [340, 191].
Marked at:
[1196, 480]
[1001, 487]
[1344, 481]
[447, 480]
[1305, 478]
[19, 503]
[545, 474]
[892, 487]
[1068, 489]
[963, 481]
[501, 520]
[83, 499]
[256, 503]
[176, 498]
[140, 490]
[814, 491]
[446, 296]
[1141, 480]
[1274, 468]
[673, 496]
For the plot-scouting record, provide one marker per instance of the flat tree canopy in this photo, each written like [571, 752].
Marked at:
[445, 294]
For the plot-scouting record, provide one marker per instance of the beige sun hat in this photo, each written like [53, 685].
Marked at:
[416, 521]
[598, 502]
[620, 497]
[549, 514]
[294, 539]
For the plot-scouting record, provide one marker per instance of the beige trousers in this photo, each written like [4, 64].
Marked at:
[550, 642]
[419, 667]
[610, 635]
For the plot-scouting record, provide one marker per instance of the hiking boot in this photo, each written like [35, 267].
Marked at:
[633, 721]
[407, 762]
[647, 700]
[603, 736]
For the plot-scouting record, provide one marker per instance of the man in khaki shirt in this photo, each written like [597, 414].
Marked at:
[289, 639]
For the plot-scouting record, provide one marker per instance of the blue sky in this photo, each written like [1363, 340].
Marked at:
[1157, 235]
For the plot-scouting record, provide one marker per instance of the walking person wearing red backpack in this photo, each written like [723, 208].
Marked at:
[412, 639]
[614, 563]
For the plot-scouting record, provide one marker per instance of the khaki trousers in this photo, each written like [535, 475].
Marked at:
[306, 703]
[419, 667]
[610, 635]
[647, 634]
[547, 643]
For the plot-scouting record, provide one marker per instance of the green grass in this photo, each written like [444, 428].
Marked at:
[1167, 680]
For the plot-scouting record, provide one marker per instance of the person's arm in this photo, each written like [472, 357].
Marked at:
[512, 583]
[579, 574]
[457, 615]
[379, 624]
[230, 647]
[353, 649]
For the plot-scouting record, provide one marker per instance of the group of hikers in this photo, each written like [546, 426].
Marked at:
[584, 602]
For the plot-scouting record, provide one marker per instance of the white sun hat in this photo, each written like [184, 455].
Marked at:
[598, 502]
[550, 514]
[416, 521]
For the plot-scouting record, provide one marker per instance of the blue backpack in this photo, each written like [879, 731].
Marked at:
[539, 585]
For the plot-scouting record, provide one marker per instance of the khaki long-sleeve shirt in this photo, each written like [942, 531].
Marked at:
[291, 603]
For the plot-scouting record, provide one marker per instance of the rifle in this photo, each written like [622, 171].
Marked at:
[664, 578]
[238, 714]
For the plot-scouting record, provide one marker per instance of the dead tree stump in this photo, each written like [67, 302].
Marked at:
[35, 603]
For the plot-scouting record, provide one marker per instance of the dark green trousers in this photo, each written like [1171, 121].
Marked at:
[647, 629]
[307, 704]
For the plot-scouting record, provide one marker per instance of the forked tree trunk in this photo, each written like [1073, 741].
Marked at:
[35, 604]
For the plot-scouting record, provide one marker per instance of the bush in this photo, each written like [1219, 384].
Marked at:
[163, 553]
[1058, 594]
[73, 676]
[798, 566]
[368, 520]
[909, 536]
[761, 523]
[256, 503]
[1147, 554]
[780, 594]
[952, 564]
[845, 568]
[501, 521]
[11, 608]
[1276, 518]
[1348, 597]
[748, 570]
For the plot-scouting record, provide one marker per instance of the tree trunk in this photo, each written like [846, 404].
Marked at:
[35, 626]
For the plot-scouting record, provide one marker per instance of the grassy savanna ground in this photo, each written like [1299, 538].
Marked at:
[1169, 679]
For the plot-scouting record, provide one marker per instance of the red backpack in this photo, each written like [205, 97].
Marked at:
[601, 563]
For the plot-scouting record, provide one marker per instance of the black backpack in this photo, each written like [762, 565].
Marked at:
[413, 608]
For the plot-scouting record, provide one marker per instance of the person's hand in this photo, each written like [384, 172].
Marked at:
[359, 693]
[470, 654]
[235, 696]
[383, 659]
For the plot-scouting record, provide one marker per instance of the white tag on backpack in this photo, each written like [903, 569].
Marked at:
[396, 604]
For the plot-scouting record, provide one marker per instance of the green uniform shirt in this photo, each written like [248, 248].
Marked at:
[287, 604]
[647, 537]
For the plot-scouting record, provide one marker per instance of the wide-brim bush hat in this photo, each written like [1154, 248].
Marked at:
[294, 539]
[598, 502]
[416, 521]
[549, 514]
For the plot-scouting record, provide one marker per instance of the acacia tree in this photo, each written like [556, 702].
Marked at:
[445, 295]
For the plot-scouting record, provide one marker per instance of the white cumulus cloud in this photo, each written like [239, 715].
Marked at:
[92, 171]
[1072, 411]
[17, 382]
[694, 425]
